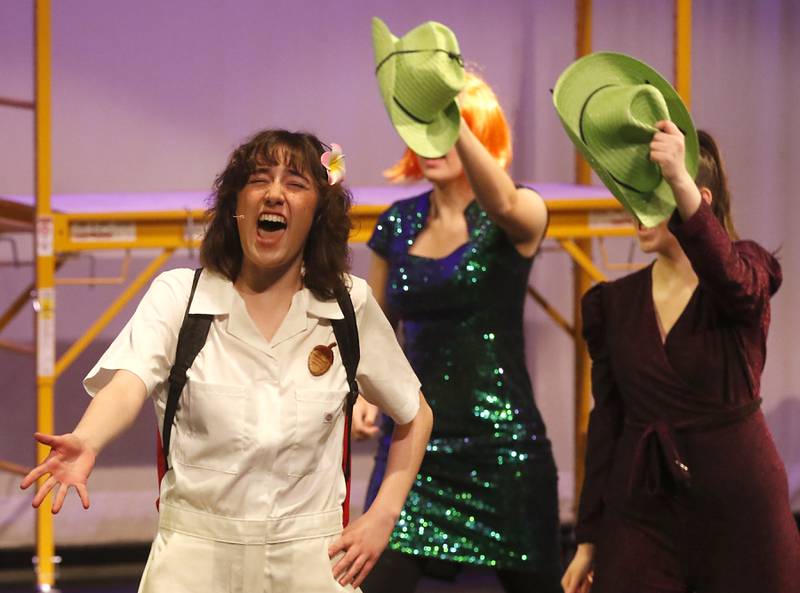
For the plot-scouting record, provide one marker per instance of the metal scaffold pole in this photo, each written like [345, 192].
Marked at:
[45, 291]
[581, 281]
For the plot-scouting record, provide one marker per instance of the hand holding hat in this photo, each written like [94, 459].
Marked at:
[668, 151]
[610, 104]
[420, 75]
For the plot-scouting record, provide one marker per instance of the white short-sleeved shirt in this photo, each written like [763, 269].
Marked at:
[257, 435]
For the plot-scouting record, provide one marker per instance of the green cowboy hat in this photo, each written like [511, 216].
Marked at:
[419, 76]
[609, 104]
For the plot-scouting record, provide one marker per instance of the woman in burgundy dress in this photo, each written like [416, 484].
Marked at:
[684, 489]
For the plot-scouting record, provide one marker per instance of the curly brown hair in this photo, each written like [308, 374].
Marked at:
[326, 254]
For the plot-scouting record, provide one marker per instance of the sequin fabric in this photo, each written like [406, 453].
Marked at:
[486, 492]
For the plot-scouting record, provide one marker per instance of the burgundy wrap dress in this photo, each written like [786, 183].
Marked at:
[684, 489]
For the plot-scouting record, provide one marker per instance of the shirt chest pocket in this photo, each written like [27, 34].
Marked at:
[319, 425]
[213, 428]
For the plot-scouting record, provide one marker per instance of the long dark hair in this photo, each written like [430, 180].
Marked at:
[326, 254]
[711, 175]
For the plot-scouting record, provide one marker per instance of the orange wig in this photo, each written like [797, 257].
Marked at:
[484, 116]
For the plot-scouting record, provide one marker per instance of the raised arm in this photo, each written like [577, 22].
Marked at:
[742, 275]
[520, 212]
[72, 455]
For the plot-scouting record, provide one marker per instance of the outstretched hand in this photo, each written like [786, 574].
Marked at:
[362, 542]
[69, 464]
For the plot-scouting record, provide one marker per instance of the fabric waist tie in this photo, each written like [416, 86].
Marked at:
[247, 531]
[657, 467]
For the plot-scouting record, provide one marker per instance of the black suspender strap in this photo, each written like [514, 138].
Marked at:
[191, 338]
[346, 332]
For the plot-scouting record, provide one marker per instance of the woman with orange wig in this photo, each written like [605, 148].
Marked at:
[451, 267]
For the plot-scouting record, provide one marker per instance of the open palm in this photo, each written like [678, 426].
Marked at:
[69, 464]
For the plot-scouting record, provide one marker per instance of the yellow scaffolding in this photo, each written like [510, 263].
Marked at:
[45, 290]
[573, 225]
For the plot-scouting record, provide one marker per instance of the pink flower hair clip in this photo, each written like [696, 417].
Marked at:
[333, 161]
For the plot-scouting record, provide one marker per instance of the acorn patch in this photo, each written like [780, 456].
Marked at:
[320, 359]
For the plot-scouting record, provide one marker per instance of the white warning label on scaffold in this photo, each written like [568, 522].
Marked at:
[46, 332]
[615, 219]
[44, 235]
[89, 232]
[194, 233]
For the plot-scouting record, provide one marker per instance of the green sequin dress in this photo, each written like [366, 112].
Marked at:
[486, 492]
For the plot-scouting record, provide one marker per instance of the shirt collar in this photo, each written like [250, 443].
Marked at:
[322, 309]
[214, 295]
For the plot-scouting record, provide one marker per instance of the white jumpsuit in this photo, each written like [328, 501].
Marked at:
[254, 495]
